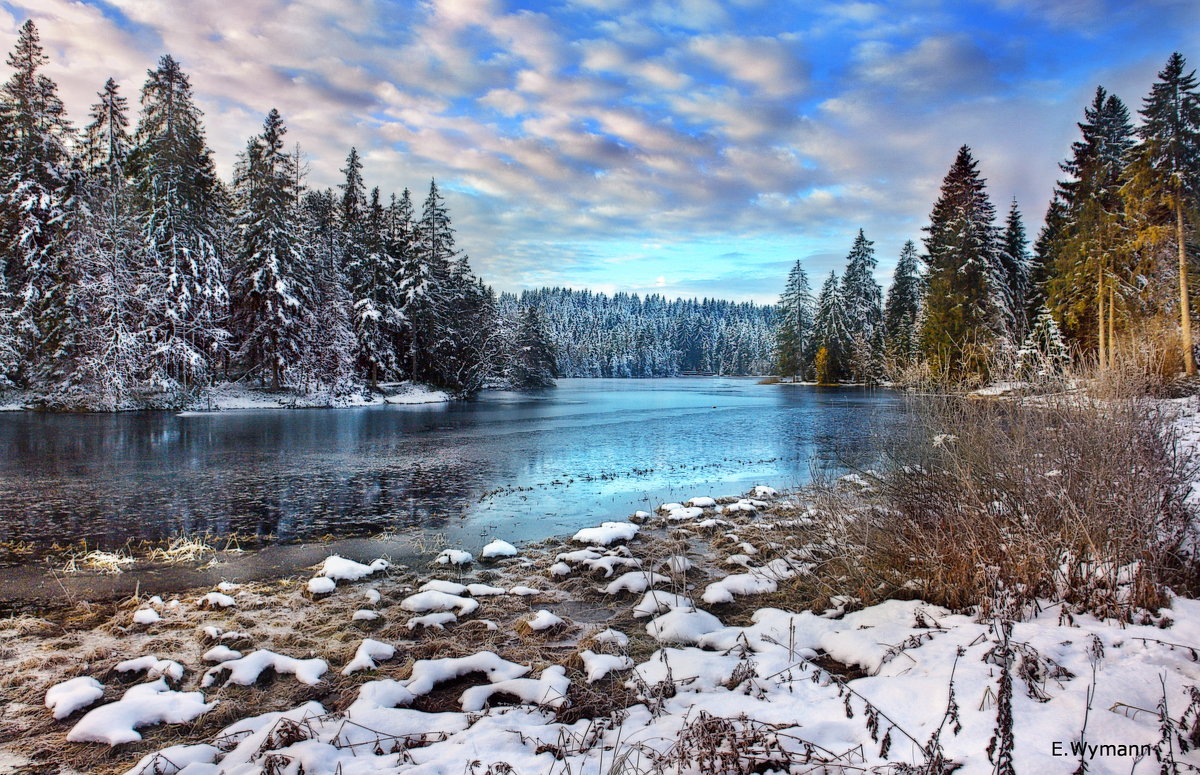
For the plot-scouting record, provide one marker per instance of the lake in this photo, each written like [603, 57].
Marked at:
[517, 466]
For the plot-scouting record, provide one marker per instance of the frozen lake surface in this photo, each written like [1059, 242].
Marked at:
[514, 465]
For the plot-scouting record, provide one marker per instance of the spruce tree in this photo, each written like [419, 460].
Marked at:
[533, 362]
[271, 294]
[901, 308]
[37, 203]
[179, 203]
[1044, 354]
[1164, 180]
[328, 365]
[372, 278]
[831, 333]
[426, 287]
[1014, 260]
[965, 310]
[794, 326]
[864, 311]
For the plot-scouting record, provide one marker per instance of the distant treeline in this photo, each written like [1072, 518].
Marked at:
[625, 335]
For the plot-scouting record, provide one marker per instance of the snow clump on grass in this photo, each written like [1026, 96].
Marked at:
[141, 706]
[71, 695]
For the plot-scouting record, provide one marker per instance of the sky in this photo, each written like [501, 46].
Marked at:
[690, 148]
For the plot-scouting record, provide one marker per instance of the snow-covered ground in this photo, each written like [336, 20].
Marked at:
[228, 396]
[673, 645]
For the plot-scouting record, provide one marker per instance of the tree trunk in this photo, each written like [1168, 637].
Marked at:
[1101, 331]
[1112, 325]
[1185, 308]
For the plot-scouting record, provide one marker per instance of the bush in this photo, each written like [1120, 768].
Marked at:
[1000, 504]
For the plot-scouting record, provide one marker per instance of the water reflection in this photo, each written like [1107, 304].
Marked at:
[520, 465]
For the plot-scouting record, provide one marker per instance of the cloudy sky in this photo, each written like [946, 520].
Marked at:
[691, 148]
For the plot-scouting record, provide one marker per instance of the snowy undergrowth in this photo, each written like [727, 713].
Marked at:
[669, 682]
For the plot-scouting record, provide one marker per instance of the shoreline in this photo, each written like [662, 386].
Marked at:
[742, 637]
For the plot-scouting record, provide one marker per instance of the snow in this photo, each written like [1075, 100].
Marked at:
[217, 600]
[246, 670]
[152, 666]
[428, 673]
[146, 616]
[231, 396]
[498, 548]
[685, 513]
[762, 491]
[681, 625]
[321, 585]
[758, 581]
[543, 620]
[372, 596]
[550, 690]
[454, 557]
[432, 600]
[364, 615]
[447, 587]
[612, 637]
[71, 695]
[221, 653]
[342, 569]
[596, 666]
[635, 581]
[484, 590]
[524, 591]
[560, 569]
[143, 705]
[607, 533]
[189, 759]
[703, 502]
[656, 601]
[436, 621]
[367, 655]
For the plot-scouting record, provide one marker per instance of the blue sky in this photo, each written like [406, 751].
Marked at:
[692, 148]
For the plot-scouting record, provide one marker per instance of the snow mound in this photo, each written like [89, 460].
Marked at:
[596, 666]
[669, 507]
[217, 600]
[656, 601]
[676, 563]
[152, 666]
[437, 620]
[685, 513]
[65, 698]
[368, 654]
[428, 673]
[758, 581]
[762, 491]
[454, 557]
[373, 596]
[432, 600]
[221, 654]
[438, 585]
[549, 690]
[703, 502]
[247, 669]
[611, 637]
[321, 585]
[523, 591]
[560, 569]
[342, 569]
[543, 620]
[607, 533]
[141, 706]
[635, 581]
[146, 616]
[682, 626]
[484, 590]
[498, 548]
[364, 615]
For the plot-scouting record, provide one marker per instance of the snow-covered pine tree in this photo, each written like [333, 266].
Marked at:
[427, 288]
[1163, 187]
[112, 346]
[831, 332]
[901, 308]
[37, 206]
[965, 310]
[179, 204]
[372, 277]
[1044, 354]
[864, 311]
[271, 292]
[328, 362]
[533, 363]
[794, 326]
[1014, 259]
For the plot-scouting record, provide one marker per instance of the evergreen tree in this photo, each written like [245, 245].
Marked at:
[1045, 250]
[372, 279]
[426, 289]
[831, 333]
[1043, 354]
[328, 364]
[271, 290]
[533, 362]
[1085, 271]
[901, 308]
[964, 302]
[179, 204]
[1014, 260]
[794, 327]
[1164, 180]
[864, 311]
[37, 206]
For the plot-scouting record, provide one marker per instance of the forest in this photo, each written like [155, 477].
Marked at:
[1107, 280]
